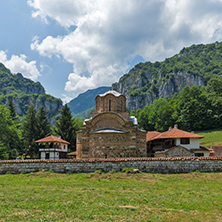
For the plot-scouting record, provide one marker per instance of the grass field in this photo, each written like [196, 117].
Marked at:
[211, 138]
[47, 196]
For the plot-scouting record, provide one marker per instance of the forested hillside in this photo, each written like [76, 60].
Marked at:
[24, 92]
[194, 108]
[148, 81]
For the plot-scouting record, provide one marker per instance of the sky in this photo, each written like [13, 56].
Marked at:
[71, 46]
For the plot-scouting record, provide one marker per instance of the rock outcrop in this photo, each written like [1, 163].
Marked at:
[166, 88]
[24, 92]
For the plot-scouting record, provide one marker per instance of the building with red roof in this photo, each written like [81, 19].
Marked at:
[174, 142]
[217, 150]
[52, 147]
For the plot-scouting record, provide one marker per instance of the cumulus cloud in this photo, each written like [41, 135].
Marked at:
[18, 64]
[109, 33]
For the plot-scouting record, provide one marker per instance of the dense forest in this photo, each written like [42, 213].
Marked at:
[194, 108]
[17, 138]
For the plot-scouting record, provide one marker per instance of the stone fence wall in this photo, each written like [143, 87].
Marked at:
[150, 165]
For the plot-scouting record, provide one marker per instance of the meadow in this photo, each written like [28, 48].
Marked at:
[211, 138]
[122, 196]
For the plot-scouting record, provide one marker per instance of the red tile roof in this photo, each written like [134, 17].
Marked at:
[52, 139]
[217, 150]
[72, 154]
[151, 134]
[174, 147]
[173, 134]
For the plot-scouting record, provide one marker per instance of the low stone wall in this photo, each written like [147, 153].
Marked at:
[150, 165]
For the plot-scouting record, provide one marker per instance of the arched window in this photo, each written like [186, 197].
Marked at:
[110, 102]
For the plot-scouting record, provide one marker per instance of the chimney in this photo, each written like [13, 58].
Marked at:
[193, 132]
[175, 126]
[59, 137]
[170, 128]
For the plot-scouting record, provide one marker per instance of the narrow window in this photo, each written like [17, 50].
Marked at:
[199, 154]
[185, 141]
[121, 105]
[109, 104]
[105, 156]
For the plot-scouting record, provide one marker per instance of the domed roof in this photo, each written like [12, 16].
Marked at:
[113, 92]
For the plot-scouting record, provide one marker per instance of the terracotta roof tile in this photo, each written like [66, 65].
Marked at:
[109, 160]
[51, 139]
[72, 154]
[175, 133]
[151, 134]
[202, 148]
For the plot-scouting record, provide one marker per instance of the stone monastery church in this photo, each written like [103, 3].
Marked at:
[111, 132]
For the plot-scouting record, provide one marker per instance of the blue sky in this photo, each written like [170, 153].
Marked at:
[74, 45]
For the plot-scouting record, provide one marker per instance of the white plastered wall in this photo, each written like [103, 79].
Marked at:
[42, 155]
[194, 143]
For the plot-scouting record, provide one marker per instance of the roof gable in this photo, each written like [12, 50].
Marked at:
[112, 92]
[52, 139]
[173, 134]
[151, 134]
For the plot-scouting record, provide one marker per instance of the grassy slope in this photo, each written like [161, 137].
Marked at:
[46, 196]
[211, 138]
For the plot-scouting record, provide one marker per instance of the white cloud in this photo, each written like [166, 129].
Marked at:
[111, 32]
[18, 64]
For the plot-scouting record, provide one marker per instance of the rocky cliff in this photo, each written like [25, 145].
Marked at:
[166, 88]
[24, 92]
[148, 81]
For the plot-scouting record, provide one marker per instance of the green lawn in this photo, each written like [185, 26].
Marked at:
[211, 138]
[47, 196]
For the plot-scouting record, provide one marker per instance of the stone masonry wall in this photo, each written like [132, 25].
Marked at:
[179, 151]
[150, 165]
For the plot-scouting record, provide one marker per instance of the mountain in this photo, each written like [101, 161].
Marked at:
[85, 101]
[194, 65]
[25, 92]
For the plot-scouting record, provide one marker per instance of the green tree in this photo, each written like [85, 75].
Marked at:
[195, 109]
[65, 127]
[214, 87]
[12, 109]
[4, 155]
[146, 118]
[159, 115]
[89, 113]
[30, 132]
[43, 125]
[14, 153]
[9, 134]
[165, 115]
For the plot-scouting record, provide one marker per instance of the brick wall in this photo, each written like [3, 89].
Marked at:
[110, 103]
[150, 165]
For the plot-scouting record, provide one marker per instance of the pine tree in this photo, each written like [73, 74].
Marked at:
[44, 128]
[12, 109]
[3, 151]
[9, 133]
[30, 132]
[65, 127]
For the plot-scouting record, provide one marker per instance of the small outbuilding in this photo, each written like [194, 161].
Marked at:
[52, 147]
[175, 143]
